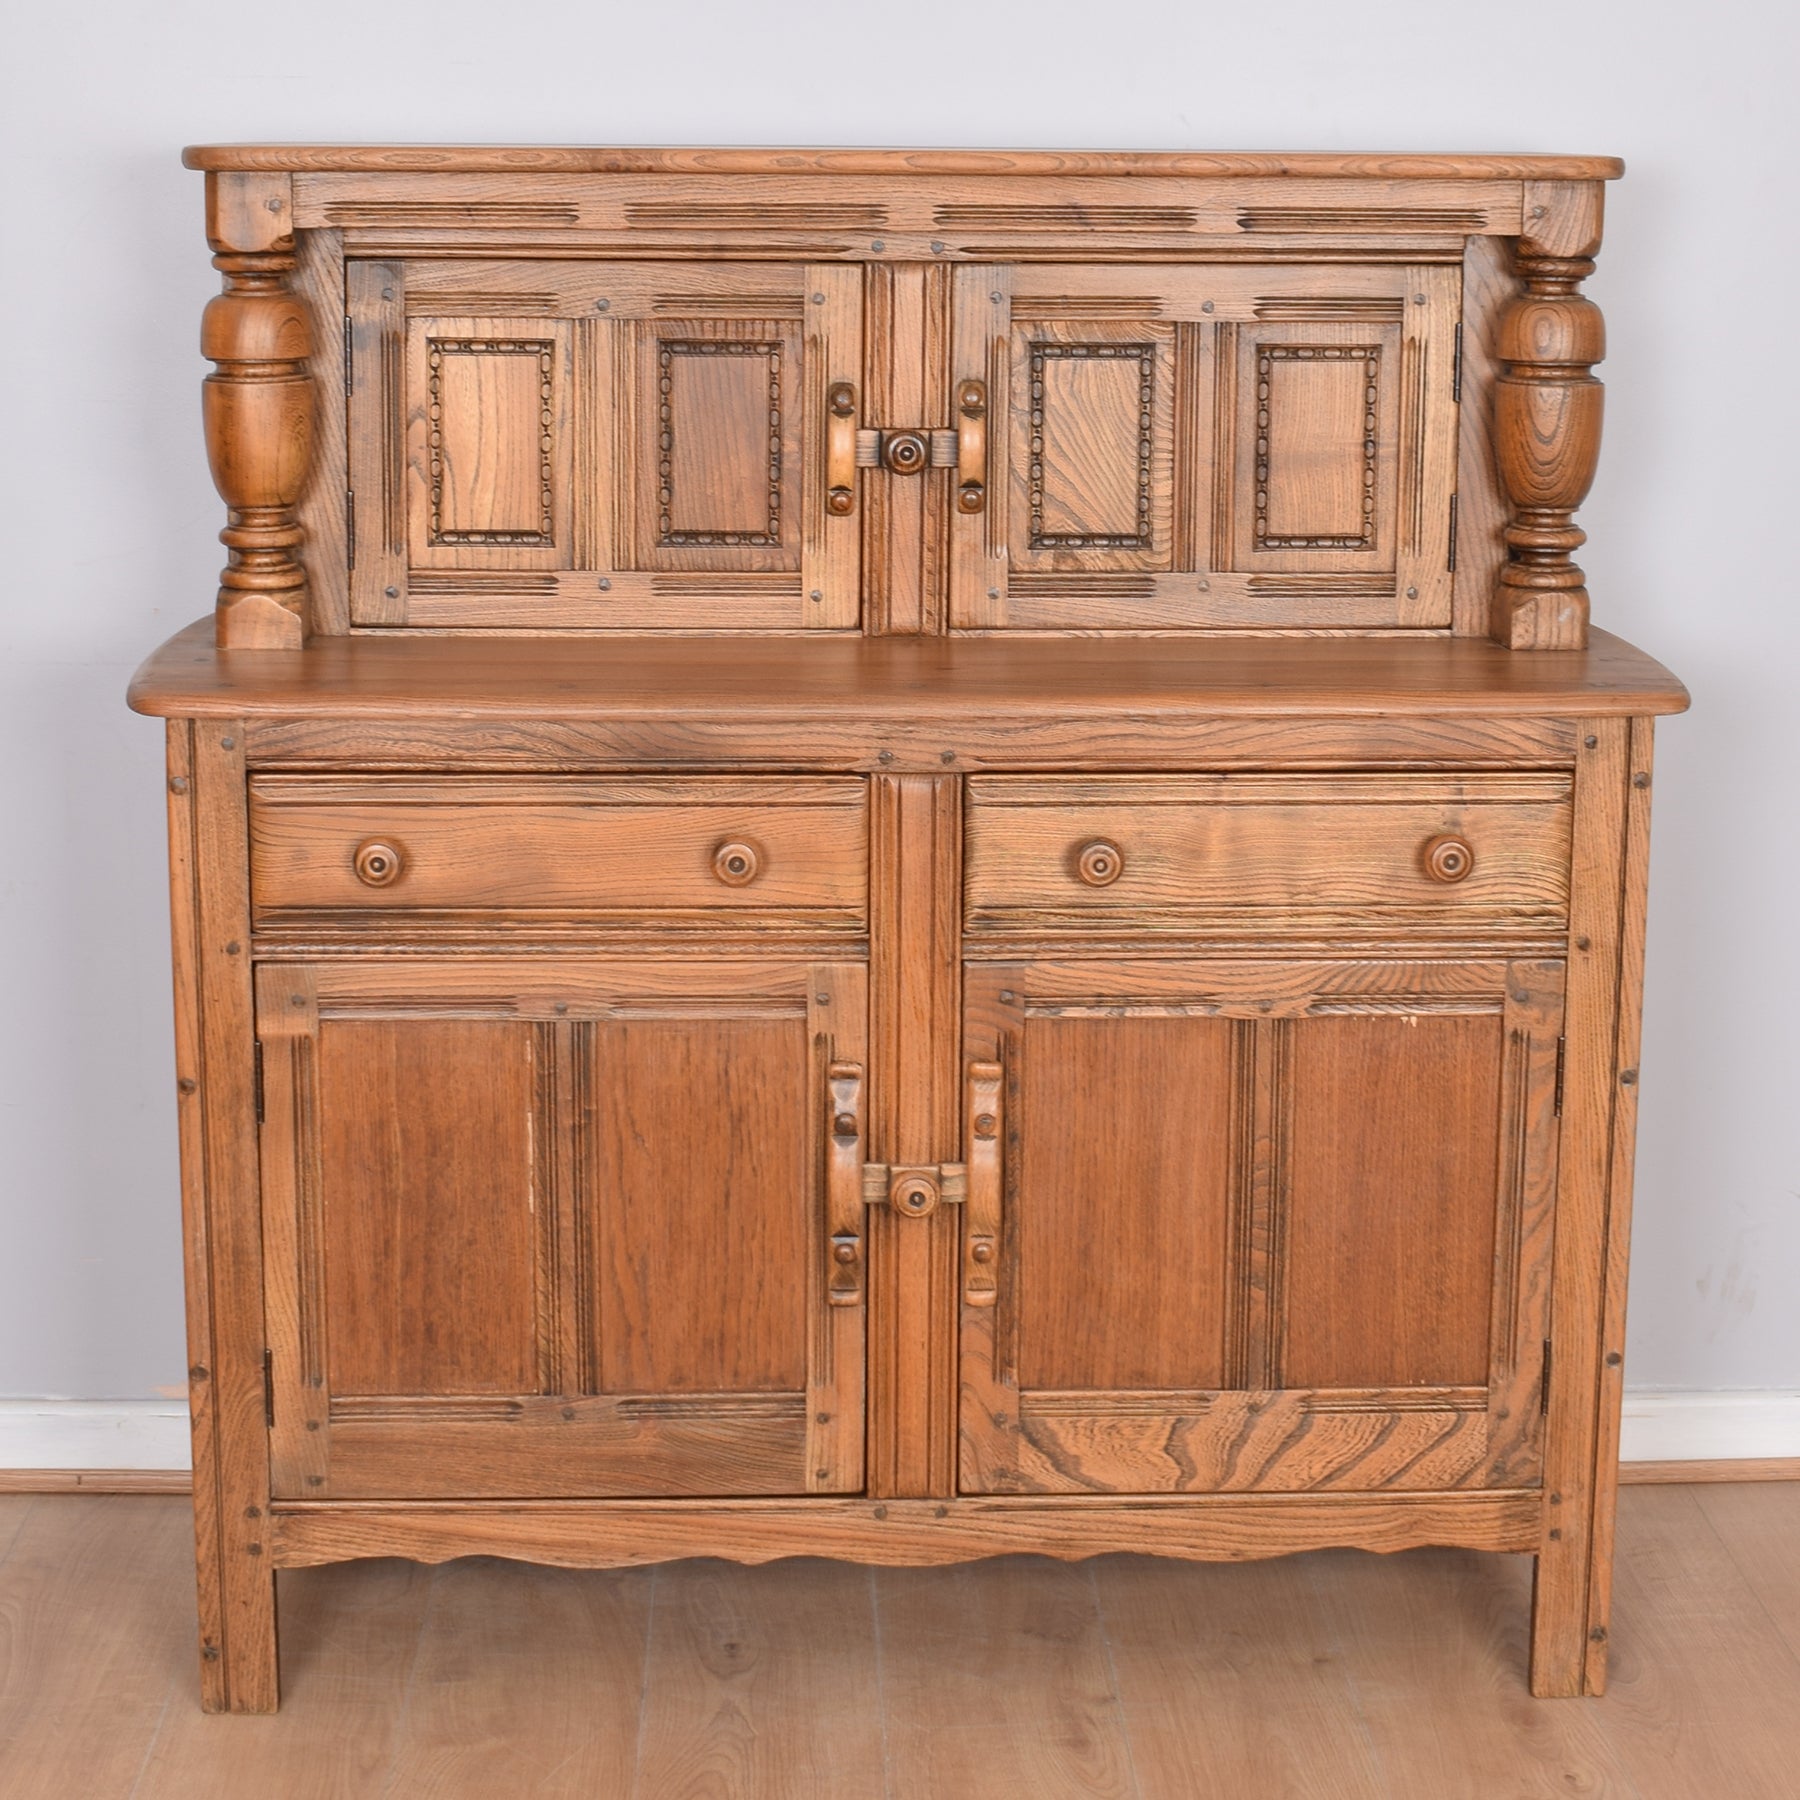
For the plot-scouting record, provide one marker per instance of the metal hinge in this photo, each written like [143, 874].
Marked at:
[256, 1065]
[915, 1190]
[1562, 1046]
[1456, 371]
[350, 528]
[1544, 1395]
[350, 352]
[269, 1388]
[1450, 560]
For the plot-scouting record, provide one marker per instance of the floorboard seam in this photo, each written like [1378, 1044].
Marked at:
[1321, 1610]
[637, 1745]
[398, 1736]
[887, 1766]
[1112, 1679]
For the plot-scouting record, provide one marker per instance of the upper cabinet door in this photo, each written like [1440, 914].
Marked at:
[599, 444]
[1210, 446]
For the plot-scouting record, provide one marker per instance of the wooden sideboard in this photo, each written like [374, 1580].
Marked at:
[903, 855]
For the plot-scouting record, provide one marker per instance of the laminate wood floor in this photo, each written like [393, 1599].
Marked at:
[1333, 1675]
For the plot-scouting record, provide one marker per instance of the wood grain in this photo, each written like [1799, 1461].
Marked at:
[426, 1206]
[611, 1533]
[1408, 1108]
[914, 1264]
[1120, 1219]
[973, 693]
[560, 848]
[1264, 853]
[1155, 860]
[739, 1699]
[521, 159]
[1578, 1490]
[1036, 1650]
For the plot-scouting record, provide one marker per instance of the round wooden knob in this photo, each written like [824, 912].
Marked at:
[376, 863]
[905, 452]
[1448, 858]
[981, 1252]
[986, 1125]
[737, 864]
[1099, 864]
[844, 1253]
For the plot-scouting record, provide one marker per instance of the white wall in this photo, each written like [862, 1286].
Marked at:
[109, 517]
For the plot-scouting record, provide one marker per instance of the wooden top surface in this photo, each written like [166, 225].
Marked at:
[771, 678]
[500, 159]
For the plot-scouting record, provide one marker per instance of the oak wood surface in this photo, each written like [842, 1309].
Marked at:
[1215, 1527]
[971, 688]
[519, 159]
[1213, 515]
[1268, 853]
[561, 848]
[463, 1162]
[1567, 1605]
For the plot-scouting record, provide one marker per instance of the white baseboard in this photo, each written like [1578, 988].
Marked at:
[93, 1434]
[1739, 1425]
[1659, 1426]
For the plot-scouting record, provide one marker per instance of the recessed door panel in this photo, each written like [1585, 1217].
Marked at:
[1123, 1227]
[428, 1186]
[1392, 1188]
[698, 1203]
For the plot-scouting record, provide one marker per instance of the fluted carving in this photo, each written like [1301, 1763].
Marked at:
[1547, 413]
[258, 409]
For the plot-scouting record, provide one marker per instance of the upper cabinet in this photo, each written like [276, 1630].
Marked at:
[598, 444]
[904, 393]
[1211, 445]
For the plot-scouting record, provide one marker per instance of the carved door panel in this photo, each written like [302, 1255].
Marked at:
[1238, 1225]
[563, 1230]
[598, 444]
[1209, 446]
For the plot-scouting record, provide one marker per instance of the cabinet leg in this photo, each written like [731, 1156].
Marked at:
[1564, 1664]
[238, 1657]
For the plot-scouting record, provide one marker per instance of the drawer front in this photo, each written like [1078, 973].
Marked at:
[1272, 852]
[682, 848]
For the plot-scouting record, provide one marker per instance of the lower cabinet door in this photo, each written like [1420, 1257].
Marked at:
[563, 1228]
[1277, 1225]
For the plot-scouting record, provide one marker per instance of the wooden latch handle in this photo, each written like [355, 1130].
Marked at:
[981, 1210]
[843, 1184]
[840, 449]
[971, 446]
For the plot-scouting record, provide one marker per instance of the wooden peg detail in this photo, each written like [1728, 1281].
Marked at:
[1547, 417]
[258, 410]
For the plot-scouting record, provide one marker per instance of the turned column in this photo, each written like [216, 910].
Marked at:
[1547, 409]
[258, 408]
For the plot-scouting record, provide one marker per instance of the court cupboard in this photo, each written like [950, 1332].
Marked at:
[903, 855]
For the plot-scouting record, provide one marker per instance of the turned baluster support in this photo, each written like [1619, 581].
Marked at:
[258, 409]
[1547, 415]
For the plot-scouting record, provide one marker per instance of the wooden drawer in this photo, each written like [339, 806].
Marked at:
[378, 848]
[1369, 853]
